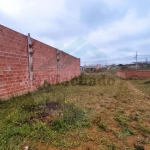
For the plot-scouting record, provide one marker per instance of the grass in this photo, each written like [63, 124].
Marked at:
[96, 112]
[143, 85]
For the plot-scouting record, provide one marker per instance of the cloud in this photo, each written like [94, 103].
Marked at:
[127, 33]
[117, 28]
[130, 25]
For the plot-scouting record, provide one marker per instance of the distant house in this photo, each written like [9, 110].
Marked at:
[121, 67]
[112, 67]
[142, 64]
[131, 66]
[139, 65]
[104, 67]
[91, 68]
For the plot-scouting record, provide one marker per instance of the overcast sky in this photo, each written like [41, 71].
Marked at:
[118, 28]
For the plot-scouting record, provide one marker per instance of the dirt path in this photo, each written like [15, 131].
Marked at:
[133, 88]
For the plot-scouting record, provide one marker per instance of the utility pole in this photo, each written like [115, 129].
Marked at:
[146, 61]
[84, 67]
[136, 59]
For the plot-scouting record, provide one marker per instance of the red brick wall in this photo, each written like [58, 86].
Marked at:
[14, 72]
[134, 74]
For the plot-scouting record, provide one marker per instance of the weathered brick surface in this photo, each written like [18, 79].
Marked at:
[134, 74]
[14, 72]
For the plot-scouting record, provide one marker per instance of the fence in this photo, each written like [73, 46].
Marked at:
[134, 74]
[123, 67]
[26, 63]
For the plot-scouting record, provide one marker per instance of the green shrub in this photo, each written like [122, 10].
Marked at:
[71, 117]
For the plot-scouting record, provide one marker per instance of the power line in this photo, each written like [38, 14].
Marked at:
[108, 59]
[123, 60]
[144, 55]
[136, 59]
[116, 58]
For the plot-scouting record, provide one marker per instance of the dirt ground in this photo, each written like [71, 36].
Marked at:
[125, 113]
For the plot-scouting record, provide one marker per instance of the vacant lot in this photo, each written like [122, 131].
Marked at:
[94, 113]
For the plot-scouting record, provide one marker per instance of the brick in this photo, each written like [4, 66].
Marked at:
[13, 53]
[134, 73]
